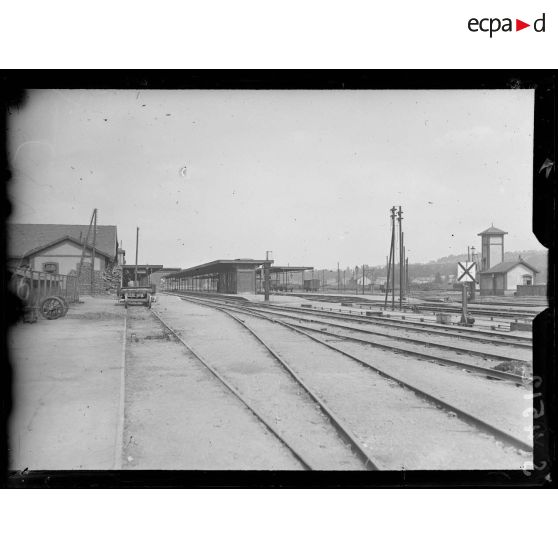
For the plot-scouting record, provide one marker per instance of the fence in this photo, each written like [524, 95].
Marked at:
[32, 286]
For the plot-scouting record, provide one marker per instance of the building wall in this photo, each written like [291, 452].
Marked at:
[66, 263]
[245, 281]
[492, 284]
[515, 276]
[492, 251]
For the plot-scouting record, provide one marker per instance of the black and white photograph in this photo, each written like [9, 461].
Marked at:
[273, 280]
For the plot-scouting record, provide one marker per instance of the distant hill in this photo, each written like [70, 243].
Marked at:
[445, 267]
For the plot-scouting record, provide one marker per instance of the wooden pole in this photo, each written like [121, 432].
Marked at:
[136, 268]
[407, 276]
[464, 320]
[389, 266]
[78, 275]
[400, 219]
[393, 258]
[93, 252]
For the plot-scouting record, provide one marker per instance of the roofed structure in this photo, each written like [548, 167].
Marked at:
[504, 267]
[223, 276]
[24, 238]
[492, 230]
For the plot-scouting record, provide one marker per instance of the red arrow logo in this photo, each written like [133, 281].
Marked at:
[519, 25]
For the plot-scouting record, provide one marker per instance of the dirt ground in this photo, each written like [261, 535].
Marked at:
[66, 388]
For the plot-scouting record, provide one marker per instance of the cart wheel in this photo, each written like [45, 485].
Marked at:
[52, 308]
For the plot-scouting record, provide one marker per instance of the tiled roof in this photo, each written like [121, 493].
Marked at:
[492, 230]
[504, 267]
[23, 238]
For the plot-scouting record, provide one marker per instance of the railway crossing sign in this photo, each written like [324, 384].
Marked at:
[466, 272]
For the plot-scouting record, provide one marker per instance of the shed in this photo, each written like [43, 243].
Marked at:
[58, 248]
[505, 277]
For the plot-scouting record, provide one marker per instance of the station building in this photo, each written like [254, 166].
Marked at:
[57, 249]
[498, 277]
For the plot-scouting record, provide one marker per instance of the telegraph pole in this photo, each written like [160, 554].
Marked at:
[393, 210]
[407, 276]
[362, 278]
[136, 269]
[391, 263]
[93, 252]
[400, 219]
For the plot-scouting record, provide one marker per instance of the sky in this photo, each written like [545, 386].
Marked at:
[307, 175]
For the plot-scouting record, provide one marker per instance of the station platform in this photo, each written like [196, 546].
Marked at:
[66, 388]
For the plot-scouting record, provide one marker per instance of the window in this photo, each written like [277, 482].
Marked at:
[527, 279]
[50, 267]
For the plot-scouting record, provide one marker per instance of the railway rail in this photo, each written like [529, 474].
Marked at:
[521, 312]
[466, 417]
[440, 329]
[355, 446]
[482, 370]
[491, 337]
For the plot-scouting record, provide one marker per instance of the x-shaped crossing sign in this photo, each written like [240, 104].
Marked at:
[466, 271]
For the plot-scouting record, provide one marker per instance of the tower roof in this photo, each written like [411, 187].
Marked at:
[492, 230]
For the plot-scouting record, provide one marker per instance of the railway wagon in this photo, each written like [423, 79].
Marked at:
[311, 285]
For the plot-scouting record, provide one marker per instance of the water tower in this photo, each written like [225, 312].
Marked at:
[492, 247]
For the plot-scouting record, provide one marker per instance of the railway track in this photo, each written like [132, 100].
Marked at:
[350, 440]
[429, 356]
[464, 416]
[492, 337]
[456, 309]
[453, 348]
[462, 365]
[521, 312]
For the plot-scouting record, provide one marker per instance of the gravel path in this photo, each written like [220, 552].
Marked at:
[179, 416]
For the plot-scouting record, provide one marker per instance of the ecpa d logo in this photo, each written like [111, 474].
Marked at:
[492, 25]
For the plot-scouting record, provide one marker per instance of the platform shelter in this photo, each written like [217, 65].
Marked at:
[221, 276]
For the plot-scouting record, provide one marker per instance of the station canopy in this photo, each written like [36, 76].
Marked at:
[288, 268]
[143, 268]
[216, 267]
